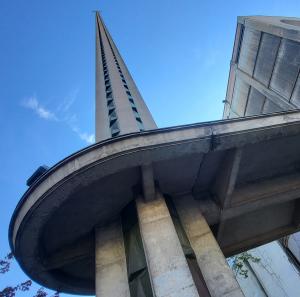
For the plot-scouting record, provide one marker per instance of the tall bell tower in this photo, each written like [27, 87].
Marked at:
[120, 108]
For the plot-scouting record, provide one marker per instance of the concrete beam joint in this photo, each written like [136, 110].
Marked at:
[227, 176]
[148, 181]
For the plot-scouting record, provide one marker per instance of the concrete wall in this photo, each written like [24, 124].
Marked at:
[274, 275]
[264, 76]
[293, 245]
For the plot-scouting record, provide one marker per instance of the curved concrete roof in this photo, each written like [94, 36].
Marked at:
[51, 232]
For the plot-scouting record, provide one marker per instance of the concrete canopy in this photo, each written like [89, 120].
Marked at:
[243, 172]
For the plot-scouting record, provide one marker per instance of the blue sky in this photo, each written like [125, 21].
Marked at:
[177, 51]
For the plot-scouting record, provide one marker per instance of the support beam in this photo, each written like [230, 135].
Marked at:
[111, 271]
[169, 272]
[218, 277]
[276, 190]
[270, 94]
[148, 181]
[252, 197]
[256, 241]
[227, 175]
[226, 180]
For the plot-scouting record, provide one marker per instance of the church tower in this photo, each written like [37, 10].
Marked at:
[120, 108]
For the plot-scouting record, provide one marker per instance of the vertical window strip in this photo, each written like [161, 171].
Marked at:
[126, 88]
[240, 43]
[112, 115]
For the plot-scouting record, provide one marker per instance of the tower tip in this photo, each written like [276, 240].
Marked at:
[96, 12]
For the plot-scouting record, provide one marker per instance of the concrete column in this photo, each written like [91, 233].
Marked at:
[218, 276]
[111, 271]
[169, 272]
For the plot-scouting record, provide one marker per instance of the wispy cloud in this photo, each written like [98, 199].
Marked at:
[88, 138]
[62, 114]
[68, 101]
[41, 111]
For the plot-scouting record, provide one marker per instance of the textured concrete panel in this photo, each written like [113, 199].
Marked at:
[183, 182]
[240, 95]
[255, 102]
[249, 50]
[270, 160]
[296, 93]
[111, 271]
[233, 115]
[168, 269]
[269, 218]
[218, 276]
[269, 93]
[269, 62]
[286, 69]
[266, 58]
[270, 107]
[275, 25]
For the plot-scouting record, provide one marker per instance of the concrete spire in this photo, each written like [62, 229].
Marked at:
[120, 108]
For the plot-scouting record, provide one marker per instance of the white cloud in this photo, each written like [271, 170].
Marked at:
[68, 101]
[88, 138]
[42, 112]
[62, 115]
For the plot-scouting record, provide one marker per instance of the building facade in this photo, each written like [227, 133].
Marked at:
[264, 69]
[264, 78]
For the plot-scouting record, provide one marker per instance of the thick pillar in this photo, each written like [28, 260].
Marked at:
[169, 272]
[218, 276]
[111, 271]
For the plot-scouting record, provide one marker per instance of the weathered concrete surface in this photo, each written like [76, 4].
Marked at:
[264, 70]
[148, 181]
[219, 278]
[111, 271]
[91, 187]
[226, 177]
[168, 269]
[281, 26]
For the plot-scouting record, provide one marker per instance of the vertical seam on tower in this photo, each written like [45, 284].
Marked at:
[112, 122]
[263, 106]
[274, 64]
[294, 85]
[129, 95]
[247, 100]
[240, 44]
[258, 49]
